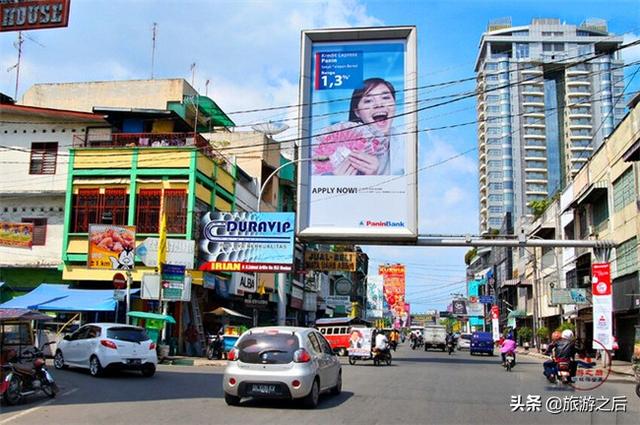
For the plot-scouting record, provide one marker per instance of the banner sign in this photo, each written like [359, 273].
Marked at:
[242, 283]
[111, 247]
[394, 288]
[474, 307]
[172, 282]
[569, 296]
[360, 341]
[338, 300]
[16, 235]
[459, 308]
[487, 299]
[356, 96]
[406, 319]
[247, 242]
[21, 15]
[495, 329]
[179, 252]
[602, 305]
[330, 261]
[374, 296]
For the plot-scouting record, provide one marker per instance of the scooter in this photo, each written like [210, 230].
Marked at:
[509, 361]
[450, 347]
[215, 347]
[562, 372]
[26, 375]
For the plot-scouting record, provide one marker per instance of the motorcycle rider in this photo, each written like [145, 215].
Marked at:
[508, 346]
[381, 342]
[450, 341]
[566, 349]
[550, 365]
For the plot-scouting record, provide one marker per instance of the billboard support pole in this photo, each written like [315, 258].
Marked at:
[129, 279]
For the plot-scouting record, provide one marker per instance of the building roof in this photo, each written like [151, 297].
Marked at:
[51, 113]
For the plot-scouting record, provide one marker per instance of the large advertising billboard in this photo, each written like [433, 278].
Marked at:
[358, 135]
[16, 235]
[394, 288]
[111, 247]
[247, 242]
[374, 297]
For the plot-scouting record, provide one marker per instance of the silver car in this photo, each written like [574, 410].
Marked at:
[281, 362]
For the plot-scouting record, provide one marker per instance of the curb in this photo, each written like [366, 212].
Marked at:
[194, 362]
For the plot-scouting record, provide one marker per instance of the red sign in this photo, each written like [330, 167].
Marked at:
[23, 15]
[119, 281]
[495, 312]
[601, 279]
[394, 287]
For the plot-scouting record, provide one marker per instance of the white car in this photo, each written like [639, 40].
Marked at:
[281, 362]
[464, 341]
[101, 346]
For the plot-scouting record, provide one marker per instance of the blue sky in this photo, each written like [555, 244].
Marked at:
[249, 50]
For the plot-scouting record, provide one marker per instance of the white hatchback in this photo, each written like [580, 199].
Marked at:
[101, 346]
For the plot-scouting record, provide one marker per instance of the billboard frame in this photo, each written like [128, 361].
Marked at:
[408, 35]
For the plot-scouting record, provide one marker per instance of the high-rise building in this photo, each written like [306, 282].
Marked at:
[542, 110]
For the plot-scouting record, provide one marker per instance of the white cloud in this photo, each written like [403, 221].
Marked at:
[631, 54]
[453, 195]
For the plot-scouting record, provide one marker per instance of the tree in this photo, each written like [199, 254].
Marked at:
[469, 255]
[565, 326]
[539, 207]
[543, 333]
[524, 333]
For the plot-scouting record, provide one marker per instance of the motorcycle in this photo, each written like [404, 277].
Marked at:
[562, 372]
[393, 345]
[381, 356]
[26, 375]
[509, 361]
[215, 347]
[450, 347]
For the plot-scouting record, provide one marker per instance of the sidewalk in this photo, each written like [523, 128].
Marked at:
[618, 367]
[192, 361]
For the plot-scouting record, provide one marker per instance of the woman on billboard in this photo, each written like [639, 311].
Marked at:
[360, 146]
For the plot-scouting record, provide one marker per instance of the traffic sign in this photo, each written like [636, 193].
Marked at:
[180, 252]
[495, 312]
[119, 281]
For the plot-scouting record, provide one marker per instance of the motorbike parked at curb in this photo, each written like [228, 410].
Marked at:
[215, 347]
[26, 374]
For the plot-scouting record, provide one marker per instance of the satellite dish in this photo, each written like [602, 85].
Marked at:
[270, 128]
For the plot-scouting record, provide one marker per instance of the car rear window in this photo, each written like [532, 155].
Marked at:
[269, 348]
[467, 337]
[127, 334]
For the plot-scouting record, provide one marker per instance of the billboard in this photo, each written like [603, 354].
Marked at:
[330, 261]
[358, 135]
[374, 297]
[16, 235]
[111, 247]
[602, 305]
[394, 288]
[247, 242]
[20, 15]
[569, 296]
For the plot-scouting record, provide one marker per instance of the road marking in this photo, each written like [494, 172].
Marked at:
[33, 409]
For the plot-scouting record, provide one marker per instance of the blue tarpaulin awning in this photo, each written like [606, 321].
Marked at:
[54, 297]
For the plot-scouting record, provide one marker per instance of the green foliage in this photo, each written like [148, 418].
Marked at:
[565, 326]
[543, 333]
[525, 333]
[448, 323]
[539, 207]
[469, 255]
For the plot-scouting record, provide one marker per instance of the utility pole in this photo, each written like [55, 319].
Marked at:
[18, 45]
[153, 47]
[534, 295]
[193, 74]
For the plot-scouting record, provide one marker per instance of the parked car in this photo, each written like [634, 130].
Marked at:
[481, 342]
[102, 346]
[435, 336]
[281, 362]
[464, 341]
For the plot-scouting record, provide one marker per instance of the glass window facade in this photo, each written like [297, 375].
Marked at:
[627, 257]
[623, 190]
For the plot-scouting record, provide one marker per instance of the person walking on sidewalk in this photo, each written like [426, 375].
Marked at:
[191, 340]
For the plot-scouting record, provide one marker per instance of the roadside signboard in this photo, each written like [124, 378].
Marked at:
[487, 299]
[180, 252]
[459, 307]
[474, 307]
[172, 282]
[330, 261]
[111, 247]
[338, 300]
[360, 342]
[119, 281]
[374, 296]
[21, 15]
[602, 305]
[16, 235]
[242, 283]
[394, 287]
[569, 296]
[247, 242]
[150, 287]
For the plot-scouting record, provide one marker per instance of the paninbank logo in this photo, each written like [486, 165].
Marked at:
[371, 223]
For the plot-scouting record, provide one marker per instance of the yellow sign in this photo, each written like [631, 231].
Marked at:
[330, 261]
[111, 247]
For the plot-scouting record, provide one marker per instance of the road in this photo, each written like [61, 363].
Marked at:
[418, 388]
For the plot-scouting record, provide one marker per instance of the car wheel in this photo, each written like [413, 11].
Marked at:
[148, 371]
[338, 388]
[342, 352]
[311, 400]
[58, 360]
[231, 400]
[95, 368]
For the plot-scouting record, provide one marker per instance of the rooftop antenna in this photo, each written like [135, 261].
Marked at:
[193, 74]
[18, 45]
[153, 47]
[206, 88]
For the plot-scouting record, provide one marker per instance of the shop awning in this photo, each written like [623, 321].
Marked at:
[591, 192]
[153, 316]
[53, 297]
[17, 314]
[223, 311]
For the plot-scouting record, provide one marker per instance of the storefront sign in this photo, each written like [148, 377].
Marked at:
[111, 247]
[242, 283]
[330, 261]
[375, 296]
[342, 286]
[16, 235]
[20, 15]
[310, 301]
[247, 242]
[338, 300]
[358, 162]
[459, 307]
[256, 301]
[297, 297]
[487, 299]
[474, 307]
[602, 305]
[394, 288]
[172, 282]
[180, 252]
[569, 296]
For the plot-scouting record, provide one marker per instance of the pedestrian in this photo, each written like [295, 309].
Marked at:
[191, 340]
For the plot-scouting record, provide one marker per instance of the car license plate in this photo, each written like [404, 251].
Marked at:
[134, 361]
[263, 389]
[509, 358]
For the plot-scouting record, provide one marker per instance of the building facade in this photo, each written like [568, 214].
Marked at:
[548, 94]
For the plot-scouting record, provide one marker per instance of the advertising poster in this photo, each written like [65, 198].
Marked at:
[172, 282]
[602, 305]
[374, 297]
[330, 261]
[16, 235]
[111, 247]
[406, 318]
[360, 342]
[394, 288]
[247, 242]
[360, 142]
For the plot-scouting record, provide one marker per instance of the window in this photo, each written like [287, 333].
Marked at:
[490, 66]
[600, 213]
[39, 230]
[552, 47]
[329, 331]
[148, 210]
[43, 158]
[522, 50]
[623, 190]
[116, 202]
[627, 257]
[86, 209]
[175, 207]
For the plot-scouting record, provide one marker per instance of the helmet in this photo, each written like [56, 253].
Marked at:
[567, 334]
[556, 335]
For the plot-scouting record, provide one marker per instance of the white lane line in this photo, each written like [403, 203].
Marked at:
[33, 409]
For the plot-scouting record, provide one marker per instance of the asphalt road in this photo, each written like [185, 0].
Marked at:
[418, 388]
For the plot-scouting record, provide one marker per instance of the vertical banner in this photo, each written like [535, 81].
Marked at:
[375, 297]
[358, 134]
[406, 319]
[394, 289]
[172, 282]
[602, 305]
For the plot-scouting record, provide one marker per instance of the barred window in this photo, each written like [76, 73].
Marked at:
[148, 210]
[175, 207]
[39, 230]
[43, 158]
[627, 257]
[623, 190]
[116, 202]
[86, 209]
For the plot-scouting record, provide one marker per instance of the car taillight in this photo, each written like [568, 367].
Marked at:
[295, 383]
[301, 356]
[232, 355]
[152, 346]
[232, 381]
[109, 344]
